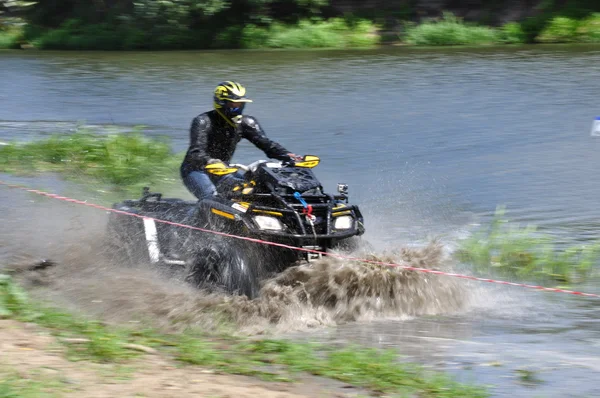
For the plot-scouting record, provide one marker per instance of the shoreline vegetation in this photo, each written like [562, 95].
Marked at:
[265, 24]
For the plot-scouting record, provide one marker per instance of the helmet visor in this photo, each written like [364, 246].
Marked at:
[234, 108]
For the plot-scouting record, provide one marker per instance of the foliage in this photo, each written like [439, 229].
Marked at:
[74, 35]
[559, 30]
[173, 15]
[510, 251]
[589, 29]
[9, 38]
[368, 368]
[332, 33]
[15, 6]
[126, 160]
[513, 33]
[199, 24]
[11, 32]
[450, 30]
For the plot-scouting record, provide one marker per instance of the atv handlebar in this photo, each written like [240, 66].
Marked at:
[251, 167]
[308, 161]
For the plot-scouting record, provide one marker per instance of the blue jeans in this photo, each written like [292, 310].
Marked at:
[204, 186]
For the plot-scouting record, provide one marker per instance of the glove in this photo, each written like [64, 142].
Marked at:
[294, 157]
[213, 161]
[291, 159]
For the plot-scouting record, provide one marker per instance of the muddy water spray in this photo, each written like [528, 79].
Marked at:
[327, 292]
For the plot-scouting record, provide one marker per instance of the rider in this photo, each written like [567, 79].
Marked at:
[214, 136]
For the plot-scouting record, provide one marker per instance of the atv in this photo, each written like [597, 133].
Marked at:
[277, 202]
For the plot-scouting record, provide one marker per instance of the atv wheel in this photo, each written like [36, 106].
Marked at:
[226, 265]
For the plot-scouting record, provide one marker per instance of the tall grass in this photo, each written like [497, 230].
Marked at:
[450, 30]
[512, 251]
[123, 160]
[332, 33]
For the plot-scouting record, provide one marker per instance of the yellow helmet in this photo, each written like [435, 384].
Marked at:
[229, 101]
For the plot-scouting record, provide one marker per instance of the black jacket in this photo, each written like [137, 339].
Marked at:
[211, 137]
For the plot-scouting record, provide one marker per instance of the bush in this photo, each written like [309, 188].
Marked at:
[254, 36]
[559, 30]
[589, 29]
[449, 31]
[11, 32]
[513, 33]
[10, 38]
[75, 35]
[363, 34]
[333, 33]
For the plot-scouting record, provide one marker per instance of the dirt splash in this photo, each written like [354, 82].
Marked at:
[327, 292]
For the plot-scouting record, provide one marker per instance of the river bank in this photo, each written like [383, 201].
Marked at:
[446, 30]
[52, 352]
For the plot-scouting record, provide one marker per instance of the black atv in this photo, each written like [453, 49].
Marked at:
[277, 202]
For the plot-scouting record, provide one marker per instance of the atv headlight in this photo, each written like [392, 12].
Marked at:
[343, 222]
[266, 222]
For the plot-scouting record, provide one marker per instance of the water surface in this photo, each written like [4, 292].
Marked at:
[430, 143]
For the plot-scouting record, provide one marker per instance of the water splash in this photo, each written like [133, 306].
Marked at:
[325, 293]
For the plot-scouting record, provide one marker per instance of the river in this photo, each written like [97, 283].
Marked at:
[430, 143]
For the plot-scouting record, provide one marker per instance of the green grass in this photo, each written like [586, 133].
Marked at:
[332, 33]
[268, 359]
[13, 385]
[450, 30]
[512, 251]
[126, 161]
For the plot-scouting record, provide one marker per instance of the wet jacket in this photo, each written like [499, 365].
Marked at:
[211, 137]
